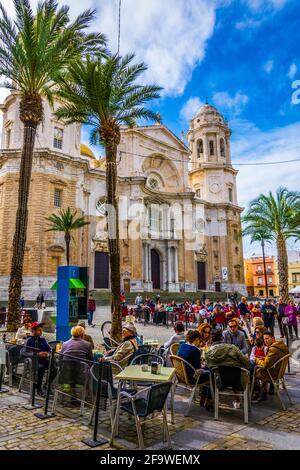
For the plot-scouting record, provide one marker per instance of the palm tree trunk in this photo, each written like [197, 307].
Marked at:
[19, 241]
[68, 240]
[283, 269]
[113, 239]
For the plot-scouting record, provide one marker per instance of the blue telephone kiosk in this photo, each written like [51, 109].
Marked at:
[72, 298]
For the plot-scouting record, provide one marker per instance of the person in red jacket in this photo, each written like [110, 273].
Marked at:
[92, 307]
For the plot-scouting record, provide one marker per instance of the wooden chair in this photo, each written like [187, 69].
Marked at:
[174, 348]
[182, 381]
[278, 379]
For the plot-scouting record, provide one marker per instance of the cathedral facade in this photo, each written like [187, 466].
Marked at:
[179, 215]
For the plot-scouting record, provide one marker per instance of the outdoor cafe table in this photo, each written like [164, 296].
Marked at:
[135, 374]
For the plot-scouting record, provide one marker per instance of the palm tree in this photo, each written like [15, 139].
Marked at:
[66, 222]
[103, 93]
[278, 216]
[34, 51]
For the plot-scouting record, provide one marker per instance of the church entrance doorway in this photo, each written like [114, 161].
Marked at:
[218, 286]
[126, 285]
[201, 272]
[155, 269]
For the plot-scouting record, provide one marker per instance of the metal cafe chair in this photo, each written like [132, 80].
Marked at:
[72, 374]
[147, 359]
[145, 403]
[277, 379]
[229, 381]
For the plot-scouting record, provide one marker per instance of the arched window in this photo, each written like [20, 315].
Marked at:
[153, 183]
[101, 206]
[211, 148]
[222, 148]
[200, 148]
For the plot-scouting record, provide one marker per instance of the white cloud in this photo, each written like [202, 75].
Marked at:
[190, 108]
[268, 66]
[250, 145]
[292, 71]
[258, 5]
[170, 36]
[258, 12]
[230, 104]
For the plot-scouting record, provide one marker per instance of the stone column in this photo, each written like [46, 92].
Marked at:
[176, 265]
[205, 148]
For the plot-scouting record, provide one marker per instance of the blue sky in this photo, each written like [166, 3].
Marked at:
[240, 55]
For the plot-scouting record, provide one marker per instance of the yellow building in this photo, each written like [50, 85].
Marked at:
[294, 274]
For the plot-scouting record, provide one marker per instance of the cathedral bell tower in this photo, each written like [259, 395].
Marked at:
[214, 181]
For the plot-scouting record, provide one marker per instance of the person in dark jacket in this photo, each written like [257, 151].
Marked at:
[37, 341]
[91, 309]
[191, 354]
[269, 313]
[281, 310]
[244, 312]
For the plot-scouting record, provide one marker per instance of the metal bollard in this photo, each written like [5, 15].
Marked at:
[94, 441]
[47, 415]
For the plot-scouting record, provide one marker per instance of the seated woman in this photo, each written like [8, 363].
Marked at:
[123, 353]
[258, 332]
[77, 347]
[205, 335]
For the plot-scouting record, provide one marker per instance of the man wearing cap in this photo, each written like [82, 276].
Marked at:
[36, 341]
[122, 354]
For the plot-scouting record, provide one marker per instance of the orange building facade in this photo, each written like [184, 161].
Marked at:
[255, 277]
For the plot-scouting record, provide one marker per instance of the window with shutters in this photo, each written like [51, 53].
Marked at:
[57, 197]
[58, 138]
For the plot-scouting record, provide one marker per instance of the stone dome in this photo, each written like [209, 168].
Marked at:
[85, 151]
[209, 113]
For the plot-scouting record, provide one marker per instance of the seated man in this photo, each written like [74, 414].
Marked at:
[221, 354]
[36, 341]
[235, 337]
[76, 346]
[275, 351]
[122, 354]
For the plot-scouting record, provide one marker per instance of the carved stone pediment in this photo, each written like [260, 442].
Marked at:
[100, 246]
[202, 253]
